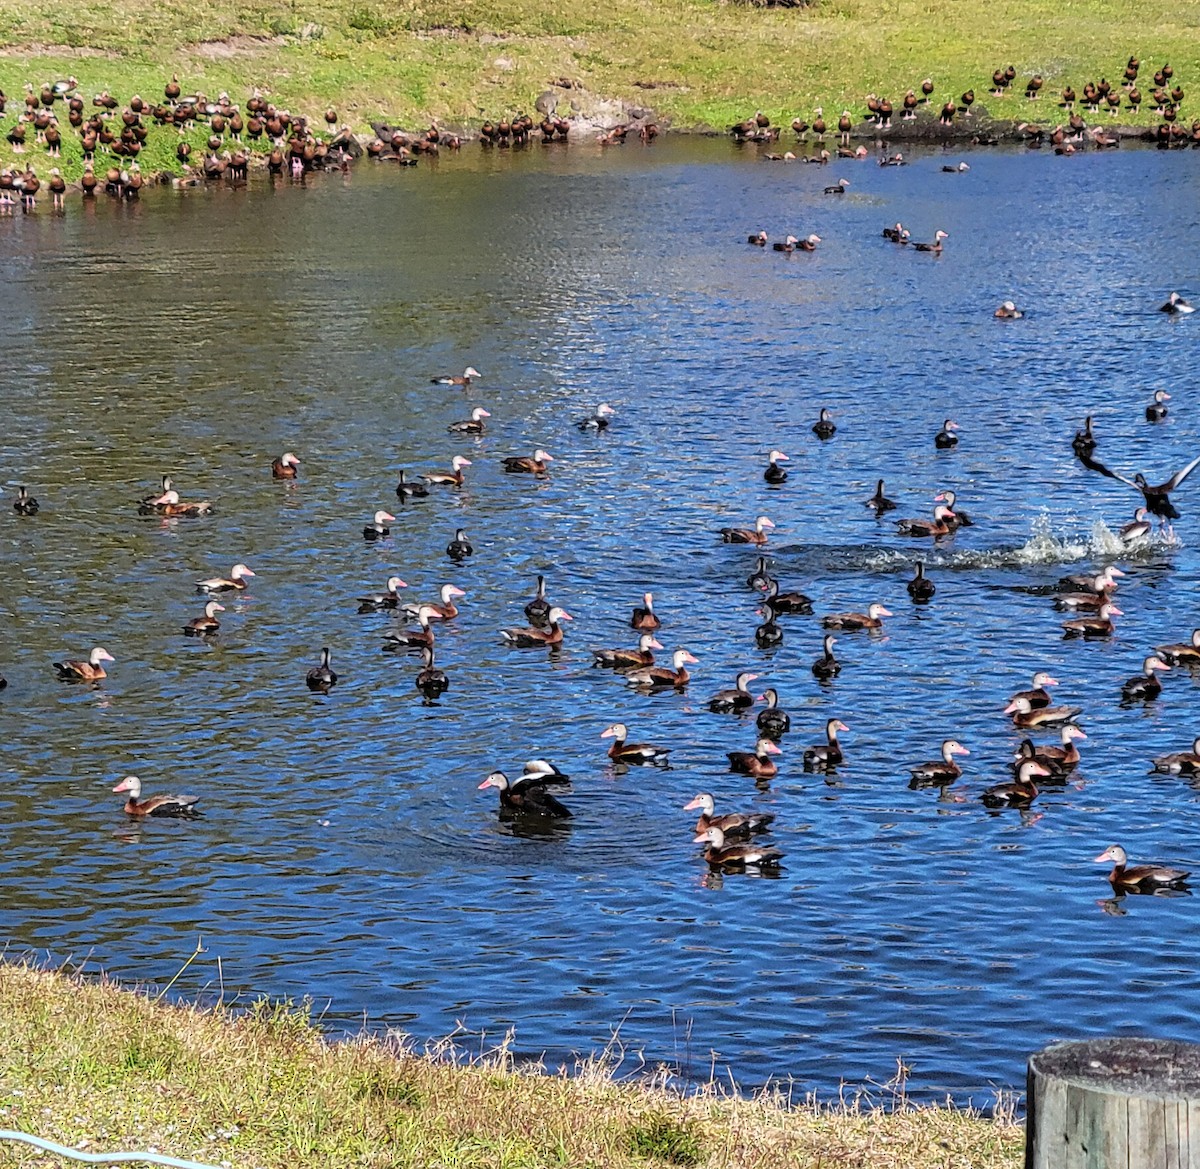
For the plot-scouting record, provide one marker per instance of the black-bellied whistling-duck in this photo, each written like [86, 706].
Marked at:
[321, 677]
[660, 678]
[422, 638]
[460, 547]
[1140, 878]
[824, 427]
[1024, 714]
[378, 528]
[155, 498]
[527, 793]
[827, 666]
[461, 379]
[1181, 653]
[897, 234]
[943, 770]
[388, 599]
[757, 763]
[735, 825]
[1157, 498]
[760, 578]
[787, 244]
[472, 425]
[202, 626]
[534, 636]
[879, 502]
[538, 610]
[946, 438]
[1060, 760]
[936, 527]
[1101, 625]
[936, 246]
[1145, 686]
[405, 489]
[1092, 582]
[1084, 442]
[628, 658]
[755, 535]
[871, 619]
[1176, 306]
[1008, 311]
[774, 472]
[1137, 529]
[827, 754]
[960, 169]
[154, 805]
[452, 478]
[621, 751]
[1084, 601]
[1039, 697]
[722, 855]
[838, 188]
[599, 420]
[443, 609]
[1180, 762]
[644, 616]
[736, 699]
[285, 466]
[921, 588]
[25, 504]
[90, 671]
[430, 680]
[236, 580]
[1157, 410]
[774, 721]
[768, 635]
[1020, 792]
[169, 504]
[758, 239]
[1033, 87]
[808, 243]
[534, 464]
[789, 602]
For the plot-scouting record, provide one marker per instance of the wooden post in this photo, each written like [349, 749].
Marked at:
[1114, 1104]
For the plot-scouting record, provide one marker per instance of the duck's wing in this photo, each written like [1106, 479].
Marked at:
[1095, 465]
[1180, 476]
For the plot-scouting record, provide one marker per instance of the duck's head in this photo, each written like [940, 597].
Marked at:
[616, 731]
[130, 784]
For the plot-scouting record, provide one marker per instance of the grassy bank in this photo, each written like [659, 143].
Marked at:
[86, 1064]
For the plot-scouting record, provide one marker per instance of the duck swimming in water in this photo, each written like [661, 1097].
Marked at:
[936, 246]
[784, 603]
[826, 755]
[787, 244]
[388, 599]
[406, 490]
[1142, 878]
[321, 677]
[824, 427]
[599, 420]
[626, 658]
[721, 855]
[734, 700]
[1008, 311]
[1157, 410]
[757, 763]
[758, 239]
[945, 438]
[921, 588]
[1180, 762]
[472, 425]
[774, 472]
[1039, 697]
[1084, 442]
[202, 626]
[538, 610]
[235, 581]
[169, 504]
[529, 465]
[644, 616]
[660, 678]
[533, 636]
[939, 526]
[452, 478]
[527, 793]
[622, 751]
[737, 825]
[827, 666]
[774, 721]
[378, 528]
[1181, 653]
[897, 234]
[1020, 793]
[1060, 760]
[430, 680]
[460, 547]
[154, 805]
[1101, 625]
[444, 609]
[755, 535]
[1145, 687]
[879, 502]
[421, 638]
[462, 379]
[1024, 714]
[768, 635]
[285, 466]
[1137, 529]
[1176, 306]
[25, 504]
[940, 771]
[760, 578]
[839, 188]
[871, 619]
[90, 671]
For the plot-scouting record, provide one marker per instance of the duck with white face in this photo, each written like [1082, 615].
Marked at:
[622, 751]
[533, 636]
[756, 535]
[660, 678]
[940, 771]
[774, 473]
[184, 806]
[737, 825]
[599, 420]
[378, 528]
[206, 625]
[462, 379]
[443, 610]
[617, 659]
[285, 466]
[388, 599]
[735, 699]
[528, 793]
[234, 582]
[452, 478]
[757, 763]
[537, 464]
[472, 425]
[91, 670]
[1146, 686]
[720, 854]
[826, 756]
[872, 619]
[1128, 878]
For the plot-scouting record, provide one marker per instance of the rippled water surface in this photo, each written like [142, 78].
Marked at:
[346, 852]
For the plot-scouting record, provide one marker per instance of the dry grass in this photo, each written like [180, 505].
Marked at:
[87, 1064]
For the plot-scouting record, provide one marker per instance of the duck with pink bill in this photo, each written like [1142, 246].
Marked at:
[940, 771]
[940, 525]
[378, 528]
[421, 638]
[443, 610]
[1021, 792]
[621, 751]
[169, 504]
[1061, 760]
[755, 535]
[1103, 581]
[618, 659]
[737, 825]
[958, 518]
[285, 466]
[1024, 714]
[825, 756]
[532, 635]
[1181, 653]
[202, 626]
[850, 622]
[472, 425]
[644, 616]
[235, 581]
[452, 478]
[599, 420]
[774, 472]
[1180, 762]
[388, 599]
[91, 670]
[721, 854]
[529, 465]
[1139, 878]
[757, 763]
[527, 793]
[460, 379]
[946, 439]
[1145, 687]
[735, 699]
[1101, 625]
[660, 678]
[1039, 696]
[154, 805]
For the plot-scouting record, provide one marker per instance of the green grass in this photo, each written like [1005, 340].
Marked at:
[86, 1064]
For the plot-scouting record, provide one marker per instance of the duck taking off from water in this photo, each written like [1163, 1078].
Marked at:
[1158, 502]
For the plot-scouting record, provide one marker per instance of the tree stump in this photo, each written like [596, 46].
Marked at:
[1114, 1104]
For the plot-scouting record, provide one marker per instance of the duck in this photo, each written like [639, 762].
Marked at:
[527, 793]
[827, 666]
[422, 638]
[774, 472]
[921, 588]
[613, 659]
[828, 754]
[644, 616]
[1093, 582]
[789, 602]
[378, 528]
[760, 578]
[430, 680]
[1181, 653]
[1145, 686]
[236, 580]
[838, 188]
[461, 379]
[1060, 760]
[154, 805]
[871, 619]
[321, 677]
[1101, 625]
[659, 678]
[937, 527]
[1143, 878]
[758, 239]
[169, 504]
[538, 610]
[773, 722]
[755, 535]
[879, 502]
[285, 466]
[808, 243]
[389, 599]
[534, 636]
[90, 671]
[936, 246]
[1039, 697]
[757, 763]
[734, 700]
[824, 427]
[452, 478]
[444, 609]
[940, 771]
[732, 824]
[1024, 714]
[1157, 497]
[1137, 529]
[1086, 600]
[945, 438]
[957, 169]
[472, 425]
[1157, 410]
[1176, 306]
[599, 420]
[1084, 442]
[1019, 793]
[898, 234]
[621, 751]
[154, 499]
[1008, 311]
[530, 465]
[768, 635]
[460, 547]
[25, 504]
[1180, 762]
[406, 490]
[202, 626]
[719, 854]
[787, 244]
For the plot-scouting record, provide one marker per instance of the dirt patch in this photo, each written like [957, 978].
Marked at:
[235, 46]
[37, 49]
